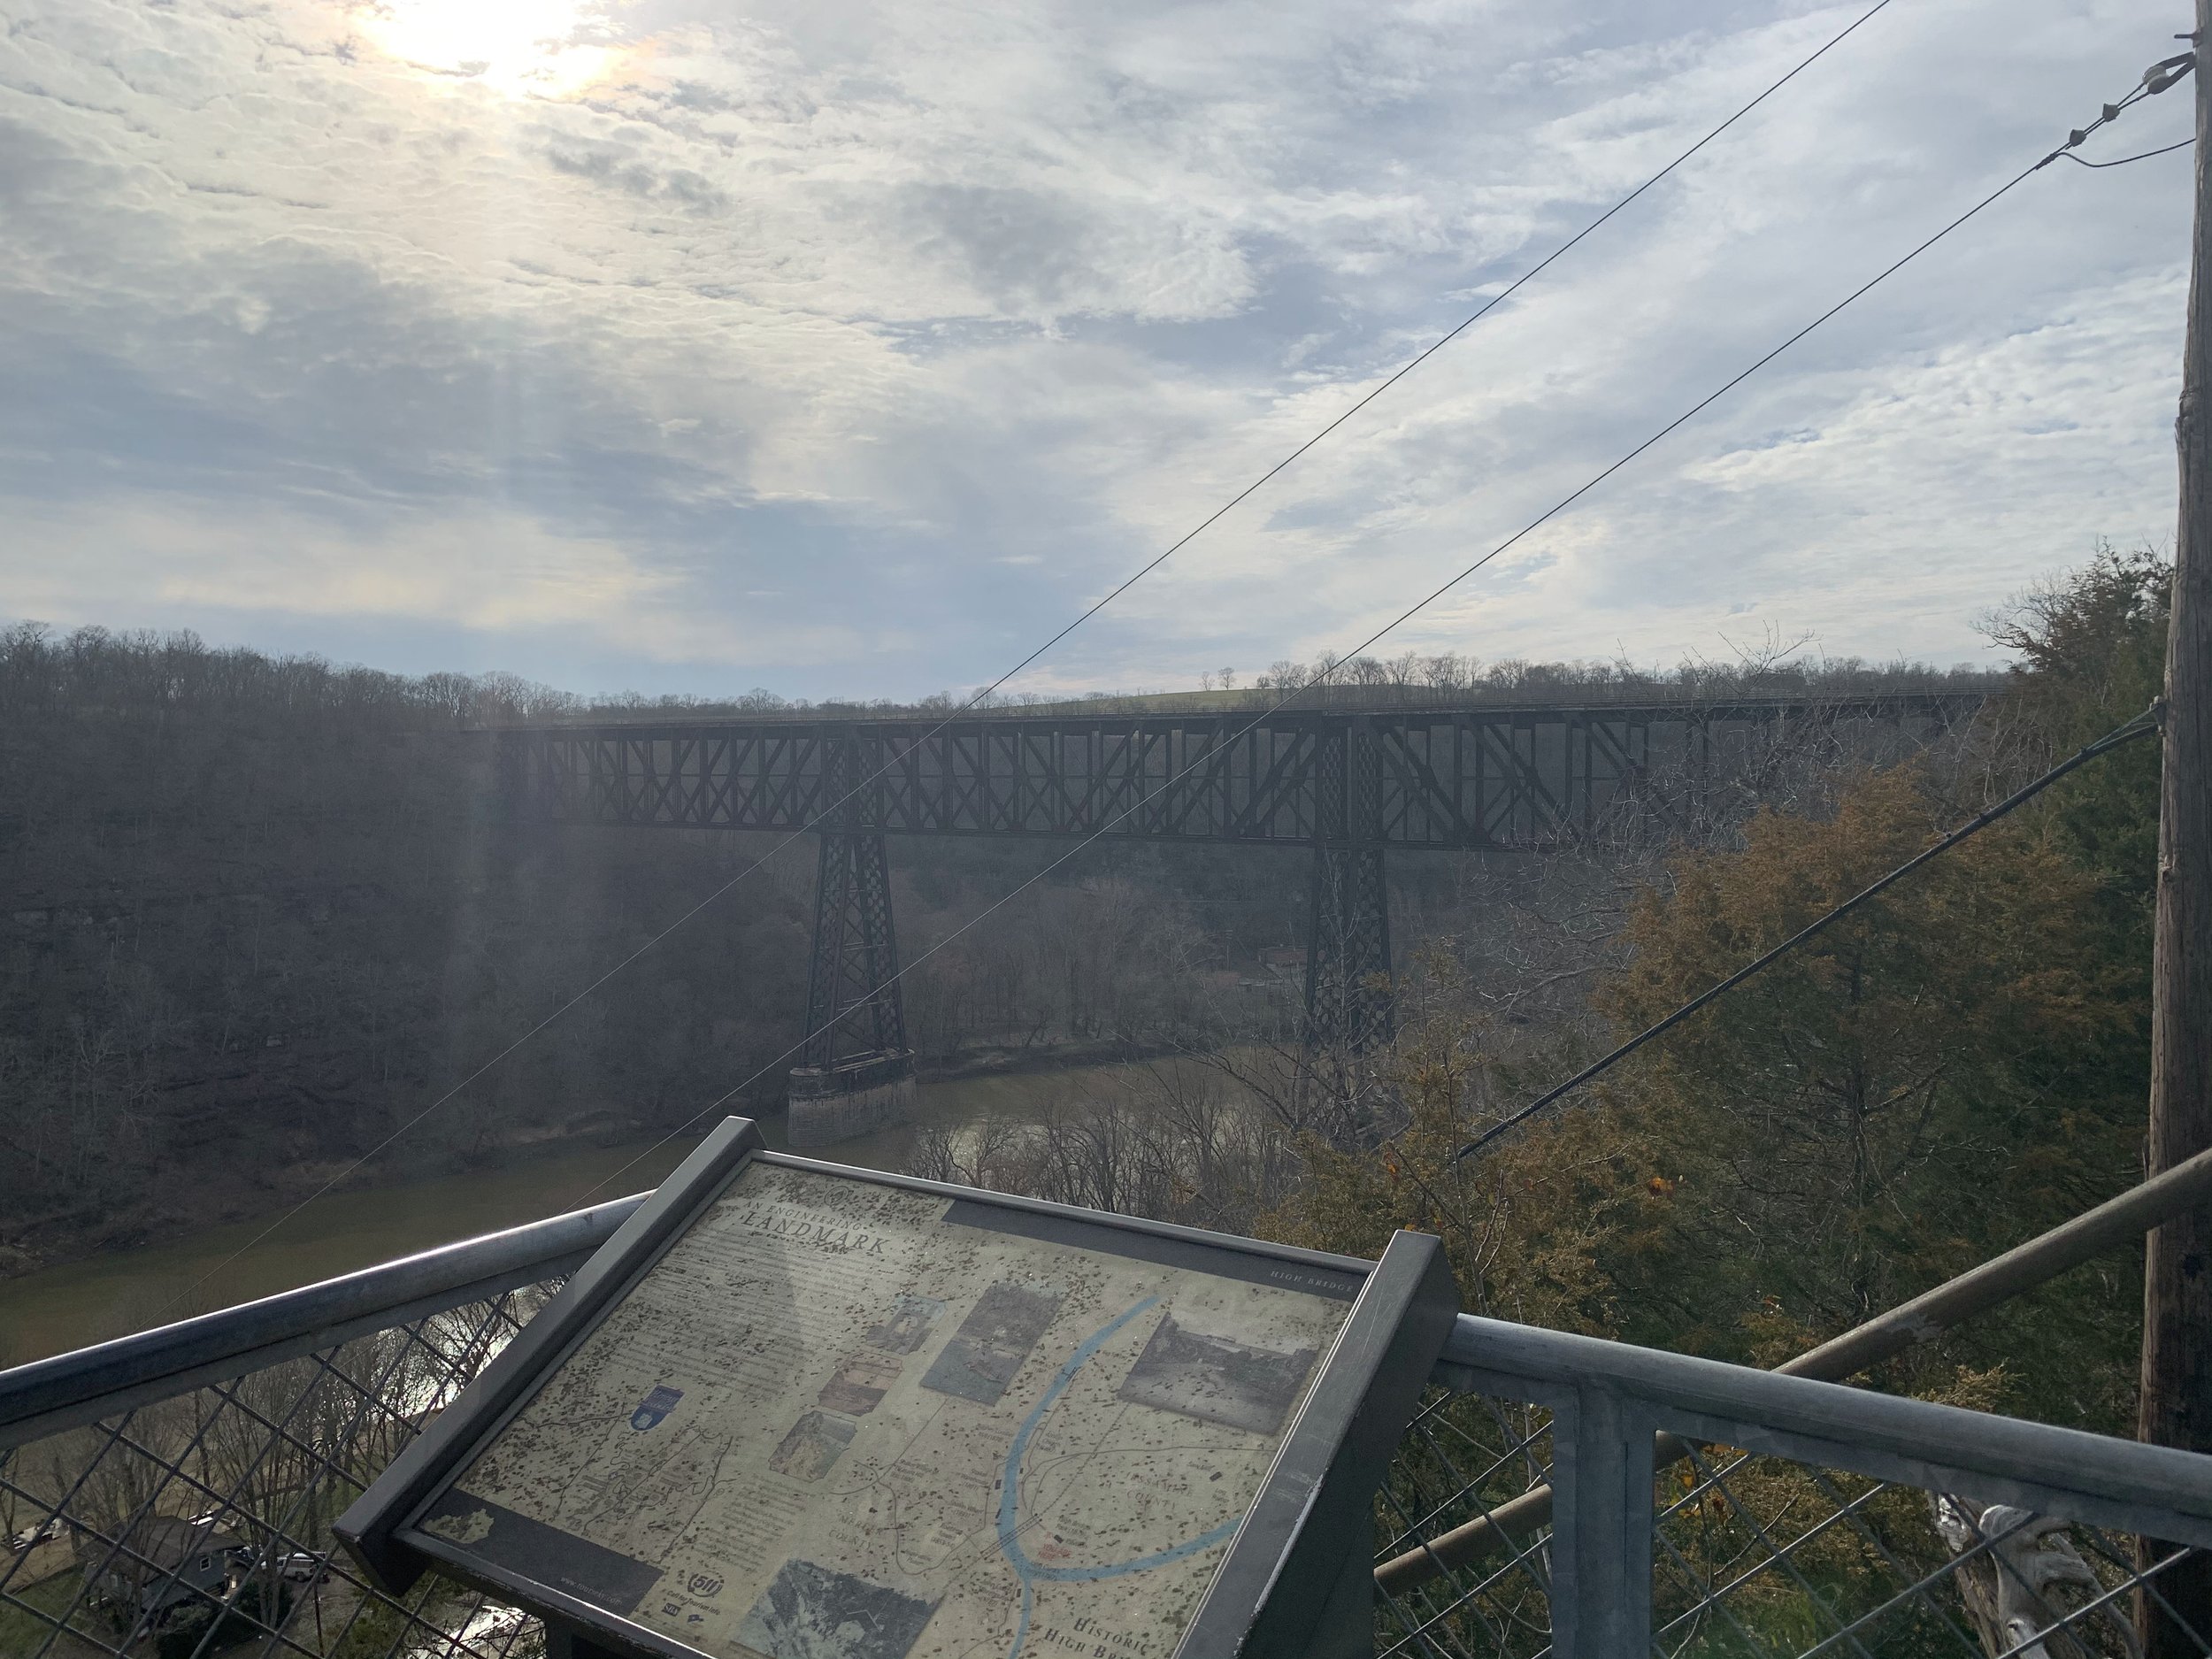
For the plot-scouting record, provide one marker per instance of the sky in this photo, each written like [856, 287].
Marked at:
[845, 349]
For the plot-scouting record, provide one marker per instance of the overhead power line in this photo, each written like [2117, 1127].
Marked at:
[1549, 513]
[2166, 73]
[2124, 160]
[2142, 726]
[1242, 495]
[2155, 79]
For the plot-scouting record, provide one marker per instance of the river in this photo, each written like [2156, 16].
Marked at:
[62, 1307]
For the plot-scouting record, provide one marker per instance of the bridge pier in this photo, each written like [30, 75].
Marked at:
[855, 1074]
[1348, 962]
[1347, 951]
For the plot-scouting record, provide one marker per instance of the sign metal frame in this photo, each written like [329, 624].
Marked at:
[1296, 1577]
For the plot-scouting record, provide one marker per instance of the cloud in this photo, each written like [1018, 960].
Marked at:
[154, 560]
[472, 568]
[669, 344]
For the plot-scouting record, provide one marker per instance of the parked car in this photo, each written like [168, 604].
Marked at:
[32, 1537]
[295, 1566]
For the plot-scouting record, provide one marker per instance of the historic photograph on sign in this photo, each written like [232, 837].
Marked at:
[1217, 1378]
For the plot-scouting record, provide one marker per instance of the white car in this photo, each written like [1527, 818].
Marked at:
[32, 1537]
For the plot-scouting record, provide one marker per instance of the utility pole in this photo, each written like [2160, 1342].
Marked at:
[2176, 1401]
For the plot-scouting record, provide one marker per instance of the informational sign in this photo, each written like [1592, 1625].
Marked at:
[851, 1418]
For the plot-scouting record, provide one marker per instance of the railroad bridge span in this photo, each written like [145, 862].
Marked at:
[1352, 785]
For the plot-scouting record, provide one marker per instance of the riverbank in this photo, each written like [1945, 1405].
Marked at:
[112, 1295]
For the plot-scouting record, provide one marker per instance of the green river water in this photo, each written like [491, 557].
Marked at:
[64, 1308]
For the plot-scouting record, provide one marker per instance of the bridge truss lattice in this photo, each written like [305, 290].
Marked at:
[1350, 786]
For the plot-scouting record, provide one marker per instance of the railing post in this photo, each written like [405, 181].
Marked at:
[1601, 1565]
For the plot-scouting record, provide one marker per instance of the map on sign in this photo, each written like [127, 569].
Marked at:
[841, 1420]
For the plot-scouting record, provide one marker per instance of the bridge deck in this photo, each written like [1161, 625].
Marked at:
[1533, 778]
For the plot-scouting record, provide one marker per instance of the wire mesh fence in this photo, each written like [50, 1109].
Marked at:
[200, 1524]
[1753, 1557]
[1541, 1503]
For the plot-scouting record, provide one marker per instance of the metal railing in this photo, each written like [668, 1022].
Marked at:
[1685, 1506]
[170, 1494]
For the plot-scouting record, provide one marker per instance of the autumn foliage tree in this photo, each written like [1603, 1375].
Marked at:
[1524, 1227]
[1949, 1071]
[1918, 1088]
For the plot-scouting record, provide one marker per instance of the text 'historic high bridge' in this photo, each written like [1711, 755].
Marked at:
[1350, 785]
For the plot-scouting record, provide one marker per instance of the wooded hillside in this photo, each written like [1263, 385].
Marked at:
[257, 915]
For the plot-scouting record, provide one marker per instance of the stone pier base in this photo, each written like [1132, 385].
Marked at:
[857, 1098]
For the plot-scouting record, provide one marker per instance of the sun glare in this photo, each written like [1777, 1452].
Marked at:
[517, 47]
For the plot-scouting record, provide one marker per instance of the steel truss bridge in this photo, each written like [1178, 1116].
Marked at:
[1351, 786]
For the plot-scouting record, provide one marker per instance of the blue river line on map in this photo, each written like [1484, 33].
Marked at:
[1009, 1544]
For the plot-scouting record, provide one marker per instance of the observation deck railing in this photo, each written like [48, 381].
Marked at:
[169, 1494]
